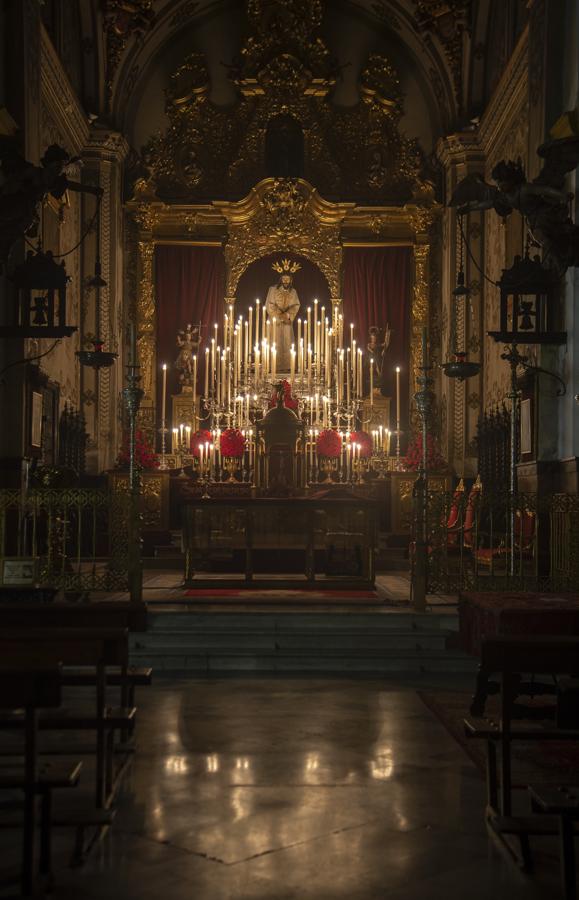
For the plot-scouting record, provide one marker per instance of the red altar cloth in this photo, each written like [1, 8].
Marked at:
[485, 614]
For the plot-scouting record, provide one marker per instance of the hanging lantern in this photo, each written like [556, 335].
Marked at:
[97, 358]
[41, 298]
[527, 304]
[459, 367]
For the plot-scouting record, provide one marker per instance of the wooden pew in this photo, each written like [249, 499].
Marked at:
[92, 647]
[104, 614]
[512, 658]
[33, 690]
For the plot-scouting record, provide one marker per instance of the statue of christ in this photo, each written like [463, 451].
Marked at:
[282, 302]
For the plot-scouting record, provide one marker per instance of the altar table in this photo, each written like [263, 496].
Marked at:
[334, 537]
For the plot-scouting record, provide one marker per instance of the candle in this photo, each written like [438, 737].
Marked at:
[274, 329]
[388, 433]
[206, 372]
[133, 344]
[175, 439]
[188, 433]
[311, 449]
[194, 378]
[292, 364]
[164, 395]
[273, 361]
[181, 429]
[212, 363]
[371, 383]
[308, 326]
[299, 337]
[397, 398]
[201, 459]
[257, 321]
[263, 320]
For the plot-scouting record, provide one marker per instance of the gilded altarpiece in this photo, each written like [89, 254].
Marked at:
[255, 177]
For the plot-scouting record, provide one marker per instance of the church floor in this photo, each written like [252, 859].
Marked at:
[164, 588]
[299, 789]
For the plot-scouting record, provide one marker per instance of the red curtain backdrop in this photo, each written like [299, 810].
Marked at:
[376, 291]
[190, 288]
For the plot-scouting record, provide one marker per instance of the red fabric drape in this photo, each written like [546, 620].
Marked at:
[190, 287]
[376, 291]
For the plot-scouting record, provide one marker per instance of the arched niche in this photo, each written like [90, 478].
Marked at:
[309, 282]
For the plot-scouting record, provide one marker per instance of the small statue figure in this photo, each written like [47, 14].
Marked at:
[543, 202]
[188, 344]
[376, 349]
[283, 302]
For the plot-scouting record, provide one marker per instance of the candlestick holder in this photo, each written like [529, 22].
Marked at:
[163, 431]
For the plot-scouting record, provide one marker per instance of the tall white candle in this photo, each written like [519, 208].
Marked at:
[206, 372]
[397, 398]
[257, 321]
[164, 396]
[292, 364]
[273, 361]
[194, 377]
[371, 382]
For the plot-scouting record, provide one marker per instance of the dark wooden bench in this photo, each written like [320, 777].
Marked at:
[97, 649]
[563, 803]
[513, 658]
[103, 614]
[33, 691]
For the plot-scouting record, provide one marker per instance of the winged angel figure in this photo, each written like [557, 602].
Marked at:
[543, 202]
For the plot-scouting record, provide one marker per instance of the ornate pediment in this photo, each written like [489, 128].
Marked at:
[283, 123]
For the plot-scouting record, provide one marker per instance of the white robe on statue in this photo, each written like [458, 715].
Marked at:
[283, 303]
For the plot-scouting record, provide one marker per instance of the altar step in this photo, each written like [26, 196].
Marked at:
[213, 643]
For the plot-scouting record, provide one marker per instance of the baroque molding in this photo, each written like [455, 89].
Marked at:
[59, 96]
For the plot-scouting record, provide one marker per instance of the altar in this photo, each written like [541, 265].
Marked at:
[325, 539]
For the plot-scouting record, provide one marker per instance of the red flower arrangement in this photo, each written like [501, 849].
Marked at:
[434, 458]
[364, 440]
[145, 456]
[288, 400]
[232, 442]
[200, 437]
[329, 443]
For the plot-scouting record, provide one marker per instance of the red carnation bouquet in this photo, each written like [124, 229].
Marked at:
[200, 437]
[365, 442]
[435, 461]
[232, 442]
[288, 400]
[329, 443]
[145, 456]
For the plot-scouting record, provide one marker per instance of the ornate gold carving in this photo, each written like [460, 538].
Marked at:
[283, 122]
[122, 19]
[146, 317]
[282, 215]
[448, 20]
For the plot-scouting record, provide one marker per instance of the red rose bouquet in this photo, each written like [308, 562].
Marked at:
[288, 400]
[434, 458]
[365, 442]
[145, 456]
[232, 442]
[200, 437]
[329, 443]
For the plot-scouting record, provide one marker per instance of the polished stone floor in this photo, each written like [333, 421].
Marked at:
[299, 789]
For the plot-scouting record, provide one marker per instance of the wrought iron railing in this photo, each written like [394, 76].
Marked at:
[502, 541]
[75, 538]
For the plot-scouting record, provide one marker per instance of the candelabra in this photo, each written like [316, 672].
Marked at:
[163, 431]
[133, 394]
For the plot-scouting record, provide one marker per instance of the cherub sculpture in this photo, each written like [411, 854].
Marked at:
[24, 186]
[188, 344]
[543, 202]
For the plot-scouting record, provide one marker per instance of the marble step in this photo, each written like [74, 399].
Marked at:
[304, 622]
[340, 661]
[281, 640]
